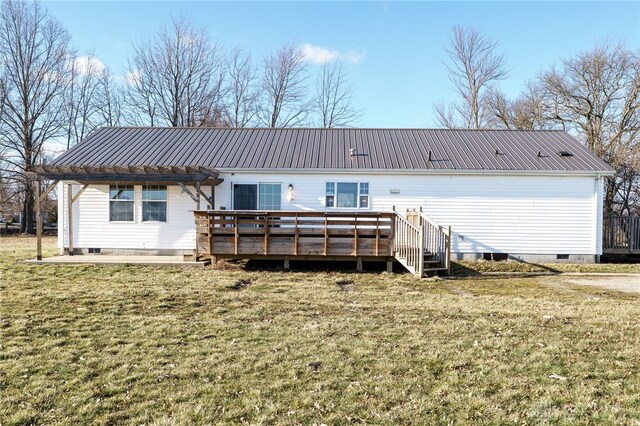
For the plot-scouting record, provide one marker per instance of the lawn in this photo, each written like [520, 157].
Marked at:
[166, 345]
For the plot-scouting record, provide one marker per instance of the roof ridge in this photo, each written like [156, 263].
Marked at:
[457, 129]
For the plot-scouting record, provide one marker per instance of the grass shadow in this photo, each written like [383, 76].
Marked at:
[318, 266]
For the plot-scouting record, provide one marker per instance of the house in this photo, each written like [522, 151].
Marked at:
[534, 196]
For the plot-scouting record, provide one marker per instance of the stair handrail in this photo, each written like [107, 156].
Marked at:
[437, 238]
[408, 243]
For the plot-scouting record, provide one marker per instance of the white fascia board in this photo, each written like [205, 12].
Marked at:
[423, 172]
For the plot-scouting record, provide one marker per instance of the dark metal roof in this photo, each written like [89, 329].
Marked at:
[348, 149]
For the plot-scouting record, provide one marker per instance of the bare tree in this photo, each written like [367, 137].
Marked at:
[241, 106]
[529, 111]
[285, 100]
[176, 77]
[34, 70]
[596, 95]
[333, 99]
[474, 66]
[81, 101]
[110, 100]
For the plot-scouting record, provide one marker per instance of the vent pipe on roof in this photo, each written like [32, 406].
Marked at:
[429, 156]
[353, 152]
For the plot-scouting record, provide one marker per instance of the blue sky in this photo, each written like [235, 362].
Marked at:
[395, 50]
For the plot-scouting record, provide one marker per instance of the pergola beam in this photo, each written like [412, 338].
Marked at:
[188, 192]
[75, 197]
[126, 173]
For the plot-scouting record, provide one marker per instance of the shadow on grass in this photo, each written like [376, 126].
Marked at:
[460, 270]
[515, 266]
[319, 266]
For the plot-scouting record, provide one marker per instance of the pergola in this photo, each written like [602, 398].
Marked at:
[183, 176]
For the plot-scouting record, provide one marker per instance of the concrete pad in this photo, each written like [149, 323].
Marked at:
[101, 259]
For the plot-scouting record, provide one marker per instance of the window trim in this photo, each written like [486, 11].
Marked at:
[112, 200]
[165, 201]
[358, 195]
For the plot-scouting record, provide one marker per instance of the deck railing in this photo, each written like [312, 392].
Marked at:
[621, 234]
[324, 235]
[408, 245]
[226, 233]
[436, 238]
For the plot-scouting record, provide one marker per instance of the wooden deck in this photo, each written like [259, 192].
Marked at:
[360, 236]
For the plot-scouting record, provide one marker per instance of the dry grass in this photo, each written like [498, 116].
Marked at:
[163, 345]
[468, 268]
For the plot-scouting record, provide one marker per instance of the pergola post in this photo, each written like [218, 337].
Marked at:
[198, 195]
[70, 216]
[197, 185]
[38, 221]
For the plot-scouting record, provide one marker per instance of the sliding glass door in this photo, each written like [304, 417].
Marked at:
[245, 197]
[263, 196]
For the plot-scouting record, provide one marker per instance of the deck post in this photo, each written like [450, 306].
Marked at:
[286, 263]
[359, 264]
[266, 235]
[38, 221]
[389, 266]
[326, 234]
[420, 259]
[448, 256]
[70, 217]
[296, 235]
[235, 234]
[355, 236]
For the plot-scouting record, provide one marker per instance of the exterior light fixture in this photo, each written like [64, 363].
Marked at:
[290, 193]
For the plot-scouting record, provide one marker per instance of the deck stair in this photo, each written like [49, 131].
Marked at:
[421, 245]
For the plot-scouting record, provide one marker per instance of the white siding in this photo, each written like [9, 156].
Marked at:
[92, 228]
[512, 214]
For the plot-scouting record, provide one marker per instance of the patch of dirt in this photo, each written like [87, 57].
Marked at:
[240, 284]
[345, 284]
[459, 291]
[627, 284]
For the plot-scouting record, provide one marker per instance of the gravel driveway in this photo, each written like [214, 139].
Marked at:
[627, 283]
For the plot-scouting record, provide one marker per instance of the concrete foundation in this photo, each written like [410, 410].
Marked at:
[533, 258]
[132, 252]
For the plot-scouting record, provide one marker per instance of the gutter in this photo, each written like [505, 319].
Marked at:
[594, 173]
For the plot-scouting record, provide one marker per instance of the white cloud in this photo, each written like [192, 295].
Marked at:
[353, 56]
[132, 77]
[88, 65]
[321, 55]
[318, 55]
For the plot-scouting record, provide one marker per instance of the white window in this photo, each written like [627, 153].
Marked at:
[121, 203]
[364, 195]
[349, 195]
[269, 196]
[154, 203]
